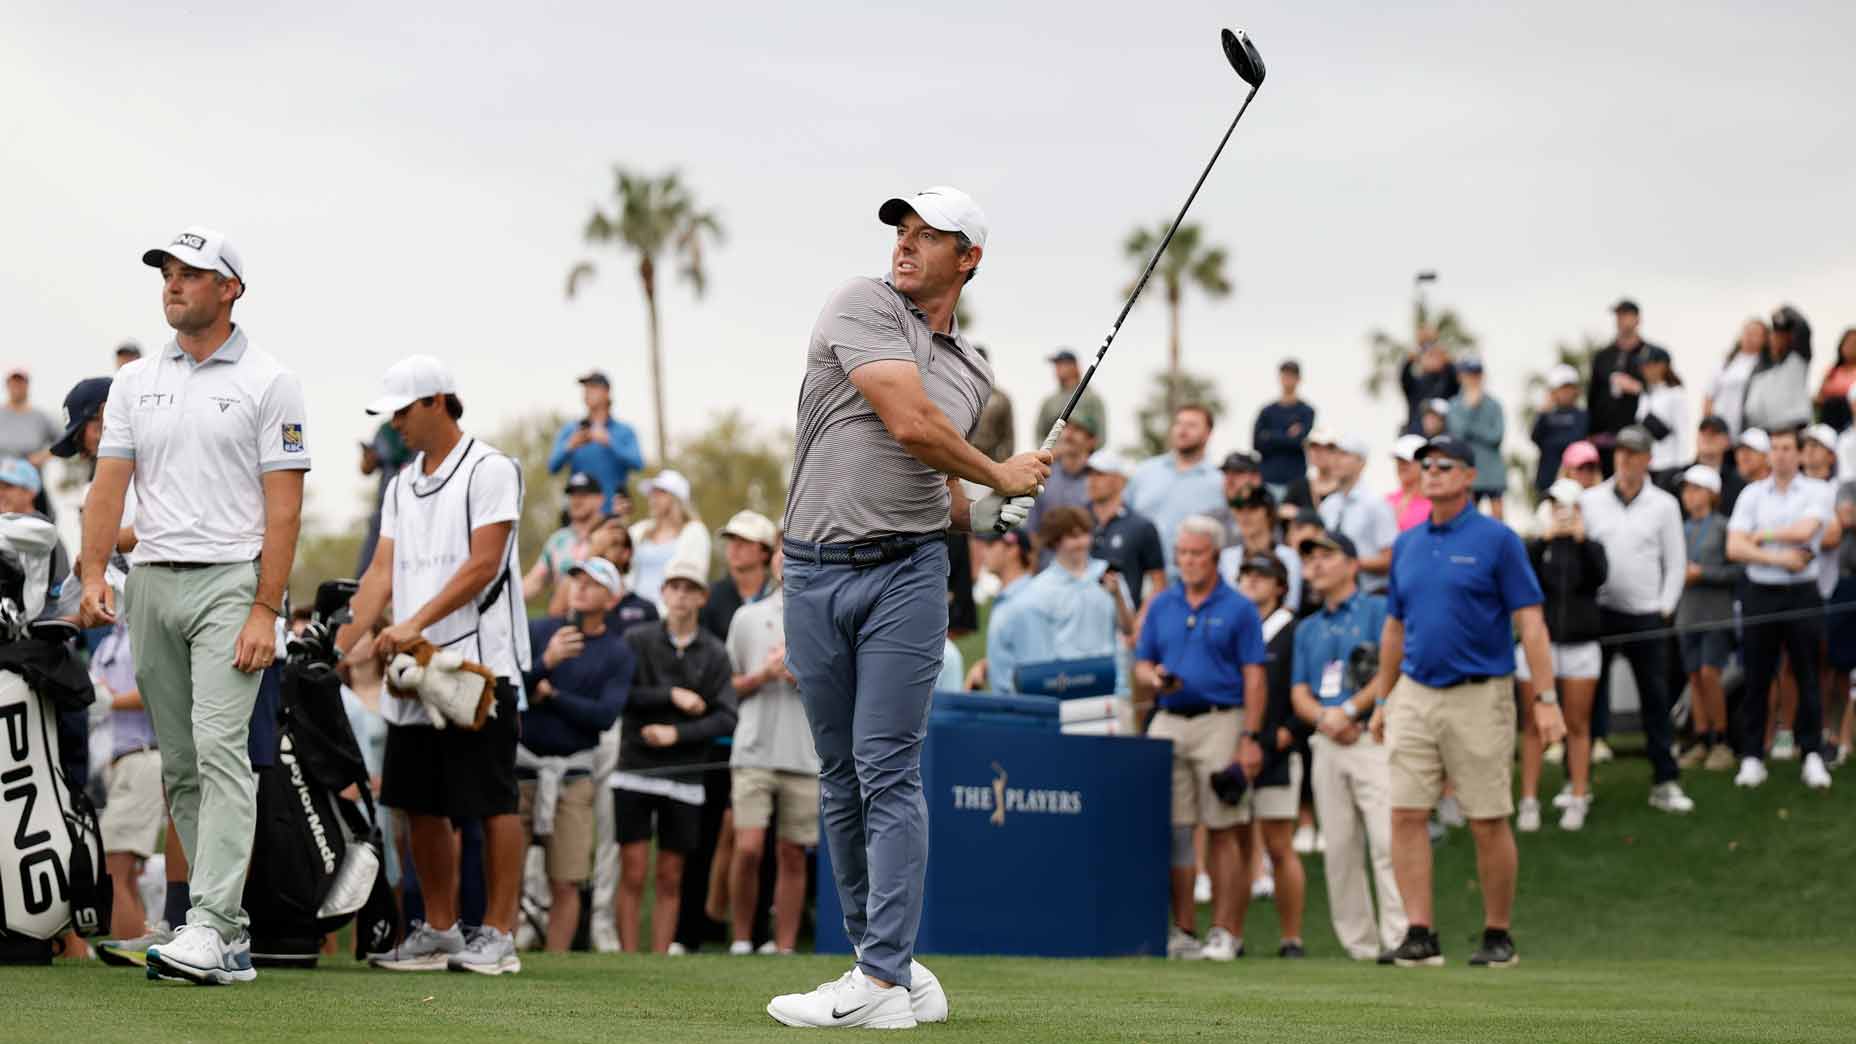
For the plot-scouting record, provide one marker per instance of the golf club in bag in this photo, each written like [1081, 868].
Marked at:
[1248, 64]
[319, 858]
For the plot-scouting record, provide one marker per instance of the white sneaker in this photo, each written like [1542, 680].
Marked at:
[1563, 799]
[1816, 776]
[850, 1001]
[1220, 945]
[1601, 752]
[1555, 754]
[1263, 888]
[770, 949]
[926, 997]
[676, 949]
[1574, 816]
[1304, 841]
[198, 955]
[1668, 797]
[1527, 818]
[1202, 888]
[492, 951]
[1450, 813]
[423, 949]
[1321, 841]
[1752, 773]
[1784, 746]
[605, 935]
[741, 948]
[1182, 946]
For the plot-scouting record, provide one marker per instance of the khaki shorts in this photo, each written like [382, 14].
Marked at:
[754, 792]
[570, 848]
[1202, 747]
[1284, 802]
[137, 814]
[1465, 732]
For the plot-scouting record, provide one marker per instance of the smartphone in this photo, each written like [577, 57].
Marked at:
[573, 619]
[585, 424]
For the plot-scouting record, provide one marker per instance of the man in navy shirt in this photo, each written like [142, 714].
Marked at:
[1281, 428]
[596, 444]
[1445, 658]
[1200, 651]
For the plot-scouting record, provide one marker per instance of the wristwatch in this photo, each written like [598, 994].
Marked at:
[1548, 697]
[1351, 710]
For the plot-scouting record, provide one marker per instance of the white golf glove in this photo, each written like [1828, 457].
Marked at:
[993, 513]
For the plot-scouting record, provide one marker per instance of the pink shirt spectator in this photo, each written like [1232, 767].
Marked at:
[1409, 512]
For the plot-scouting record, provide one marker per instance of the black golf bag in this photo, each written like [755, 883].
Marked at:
[318, 860]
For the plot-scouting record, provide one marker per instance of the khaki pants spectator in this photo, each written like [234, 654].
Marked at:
[1353, 801]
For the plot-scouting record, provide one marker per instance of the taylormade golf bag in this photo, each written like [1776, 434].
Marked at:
[317, 861]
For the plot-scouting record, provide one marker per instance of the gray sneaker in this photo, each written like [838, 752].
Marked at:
[423, 949]
[491, 952]
[133, 953]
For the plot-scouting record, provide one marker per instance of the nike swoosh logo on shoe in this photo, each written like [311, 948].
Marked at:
[836, 1014]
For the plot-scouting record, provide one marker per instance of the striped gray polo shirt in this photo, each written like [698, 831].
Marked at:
[851, 479]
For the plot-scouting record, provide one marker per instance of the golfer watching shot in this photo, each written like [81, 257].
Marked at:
[210, 431]
[891, 393]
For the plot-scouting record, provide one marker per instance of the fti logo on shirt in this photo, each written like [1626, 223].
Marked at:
[293, 438]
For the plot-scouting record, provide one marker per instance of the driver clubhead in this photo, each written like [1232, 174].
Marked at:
[1243, 56]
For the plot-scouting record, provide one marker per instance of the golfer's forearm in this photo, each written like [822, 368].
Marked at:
[1256, 698]
[275, 560]
[931, 439]
[103, 515]
[1535, 646]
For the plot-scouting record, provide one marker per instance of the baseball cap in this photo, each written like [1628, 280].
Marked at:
[82, 403]
[594, 377]
[670, 481]
[1635, 438]
[753, 527]
[1353, 444]
[1407, 447]
[1268, 565]
[1308, 517]
[200, 247]
[943, 207]
[1441, 407]
[1625, 304]
[1061, 355]
[1331, 540]
[409, 380]
[1449, 446]
[18, 371]
[1756, 440]
[1561, 376]
[1289, 366]
[1579, 454]
[1714, 422]
[1704, 476]
[18, 471]
[1108, 463]
[1822, 434]
[581, 482]
[687, 569]
[1322, 437]
[1653, 354]
[1241, 462]
[130, 349]
[1565, 490]
[603, 572]
[1470, 364]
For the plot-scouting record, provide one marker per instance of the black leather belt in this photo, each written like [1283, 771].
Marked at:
[1195, 710]
[1469, 679]
[184, 566]
[880, 551]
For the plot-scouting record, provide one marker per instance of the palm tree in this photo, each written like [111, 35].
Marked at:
[1189, 261]
[1388, 353]
[653, 215]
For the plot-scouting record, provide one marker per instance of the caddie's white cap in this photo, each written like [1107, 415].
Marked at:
[943, 207]
[200, 247]
[409, 380]
[1108, 462]
[1756, 440]
[670, 481]
[753, 527]
[1407, 447]
[1822, 434]
[1704, 476]
[1562, 375]
[1351, 444]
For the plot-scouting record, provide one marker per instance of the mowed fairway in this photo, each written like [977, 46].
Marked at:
[1734, 925]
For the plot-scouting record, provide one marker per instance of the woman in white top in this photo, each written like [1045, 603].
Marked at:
[1665, 402]
[1727, 392]
[672, 533]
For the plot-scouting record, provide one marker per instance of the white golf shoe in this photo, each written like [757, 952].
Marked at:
[850, 1001]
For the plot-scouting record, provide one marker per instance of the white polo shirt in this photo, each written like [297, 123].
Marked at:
[1763, 505]
[430, 519]
[1646, 554]
[201, 436]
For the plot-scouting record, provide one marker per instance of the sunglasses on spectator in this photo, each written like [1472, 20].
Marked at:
[1433, 464]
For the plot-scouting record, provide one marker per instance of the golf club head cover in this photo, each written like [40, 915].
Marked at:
[1229, 784]
[455, 691]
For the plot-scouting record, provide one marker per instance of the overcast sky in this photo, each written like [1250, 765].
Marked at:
[402, 183]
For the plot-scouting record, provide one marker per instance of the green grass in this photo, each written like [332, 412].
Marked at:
[1731, 925]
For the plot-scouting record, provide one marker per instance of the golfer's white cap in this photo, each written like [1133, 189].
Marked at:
[409, 380]
[1704, 476]
[1561, 376]
[1822, 434]
[943, 207]
[1407, 447]
[670, 481]
[200, 247]
[1756, 440]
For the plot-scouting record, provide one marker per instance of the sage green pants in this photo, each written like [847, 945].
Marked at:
[183, 626]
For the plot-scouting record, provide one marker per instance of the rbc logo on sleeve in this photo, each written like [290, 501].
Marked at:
[293, 438]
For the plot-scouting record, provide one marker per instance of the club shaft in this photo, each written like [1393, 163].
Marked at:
[1076, 396]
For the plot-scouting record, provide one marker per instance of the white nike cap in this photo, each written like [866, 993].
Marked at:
[409, 380]
[200, 247]
[943, 207]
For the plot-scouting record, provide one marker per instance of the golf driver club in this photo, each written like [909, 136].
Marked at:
[1243, 56]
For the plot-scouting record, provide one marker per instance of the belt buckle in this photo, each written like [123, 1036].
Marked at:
[868, 553]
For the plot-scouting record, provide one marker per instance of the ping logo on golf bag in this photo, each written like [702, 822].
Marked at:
[312, 818]
[42, 877]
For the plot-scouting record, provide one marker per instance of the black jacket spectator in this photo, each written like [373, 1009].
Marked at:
[703, 668]
[589, 691]
[1611, 413]
[1280, 713]
[1421, 387]
[1571, 572]
[1283, 459]
[1555, 430]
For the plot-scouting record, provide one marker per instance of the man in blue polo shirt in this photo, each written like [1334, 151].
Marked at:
[1445, 658]
[1200, 650]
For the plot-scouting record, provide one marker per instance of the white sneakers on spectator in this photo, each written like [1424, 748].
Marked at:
[423, 949]
[1527, 818]
[1784, 746]
[741, 948]
[1816, 776]
[1601, 752]
[1668, 797]
[1573, 818]
[491, 951]
[198, 955]
[676, 949]
[1263, 887]
[1752, 773]
[1202, 888]
[1183, 946]
[1307, 840]
[605, 936]
[1221, 945]
[852, 1000]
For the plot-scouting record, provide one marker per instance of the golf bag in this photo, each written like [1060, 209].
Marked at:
[318, 858]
